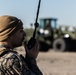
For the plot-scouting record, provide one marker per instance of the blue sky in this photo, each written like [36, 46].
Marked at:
[64, 10]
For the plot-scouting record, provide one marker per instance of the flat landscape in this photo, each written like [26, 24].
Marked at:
[56, 63]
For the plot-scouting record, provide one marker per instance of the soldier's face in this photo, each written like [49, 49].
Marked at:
[18, 38]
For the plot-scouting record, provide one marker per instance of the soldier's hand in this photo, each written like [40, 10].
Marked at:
[32, 53]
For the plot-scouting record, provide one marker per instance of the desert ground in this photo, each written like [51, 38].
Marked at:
[56, 63]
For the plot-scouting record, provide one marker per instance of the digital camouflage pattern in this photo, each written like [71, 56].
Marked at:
[13, 64]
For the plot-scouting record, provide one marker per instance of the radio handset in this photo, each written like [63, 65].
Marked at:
[32, 40]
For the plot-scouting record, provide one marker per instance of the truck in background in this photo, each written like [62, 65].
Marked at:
[52, 36]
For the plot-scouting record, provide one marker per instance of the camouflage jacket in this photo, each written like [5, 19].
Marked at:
[13, 64]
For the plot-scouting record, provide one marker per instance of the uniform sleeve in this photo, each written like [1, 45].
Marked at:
[31, 62]
[17, 66]
[33, 66]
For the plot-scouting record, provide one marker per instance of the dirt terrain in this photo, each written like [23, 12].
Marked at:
[57, 63]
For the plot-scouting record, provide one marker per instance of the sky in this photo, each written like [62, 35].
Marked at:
[63, 10]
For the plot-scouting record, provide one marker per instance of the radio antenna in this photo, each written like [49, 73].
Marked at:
[36, 23]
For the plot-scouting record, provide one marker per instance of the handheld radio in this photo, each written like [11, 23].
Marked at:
[32, 41]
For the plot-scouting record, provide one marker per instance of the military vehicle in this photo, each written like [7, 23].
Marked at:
[52, 36]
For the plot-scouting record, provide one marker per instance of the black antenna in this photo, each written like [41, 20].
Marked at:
[36, 23]
[32, 41]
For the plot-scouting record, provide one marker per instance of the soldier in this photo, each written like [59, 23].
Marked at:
[12, 36]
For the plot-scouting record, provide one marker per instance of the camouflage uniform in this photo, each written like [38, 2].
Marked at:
[13, 64]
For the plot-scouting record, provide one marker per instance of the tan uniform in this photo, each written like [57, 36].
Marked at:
[13, 64]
